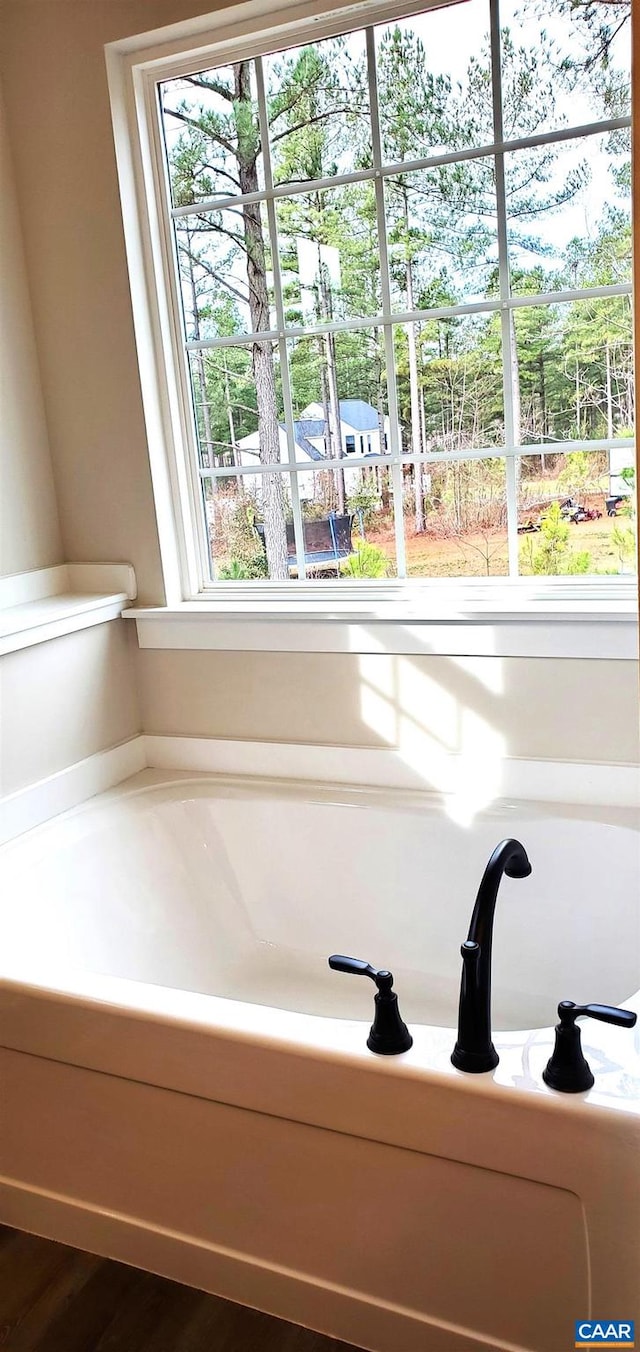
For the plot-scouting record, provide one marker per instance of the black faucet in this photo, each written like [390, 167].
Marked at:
[474, 1051]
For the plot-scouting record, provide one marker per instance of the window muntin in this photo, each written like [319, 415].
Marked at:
[458, 379]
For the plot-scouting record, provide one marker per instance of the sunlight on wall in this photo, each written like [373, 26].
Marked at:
[435, 728]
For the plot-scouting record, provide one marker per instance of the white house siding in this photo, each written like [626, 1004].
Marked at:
[620, 458]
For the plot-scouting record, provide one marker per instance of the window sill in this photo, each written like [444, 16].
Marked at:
[49, 602]
[555, 619]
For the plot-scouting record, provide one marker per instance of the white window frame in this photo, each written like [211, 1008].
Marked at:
[134, 68]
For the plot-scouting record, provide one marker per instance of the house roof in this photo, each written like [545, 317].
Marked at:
[305, 428]
[311, 427]
[359, 415]
[356, 413]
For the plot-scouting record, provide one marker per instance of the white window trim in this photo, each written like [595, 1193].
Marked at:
[499, 619]
[133, 67]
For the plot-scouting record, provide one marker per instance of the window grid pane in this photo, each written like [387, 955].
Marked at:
[297, 245]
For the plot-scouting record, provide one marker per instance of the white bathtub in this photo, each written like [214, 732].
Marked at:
[187, 1086]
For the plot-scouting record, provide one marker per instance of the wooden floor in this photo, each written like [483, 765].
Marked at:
[56, 1299]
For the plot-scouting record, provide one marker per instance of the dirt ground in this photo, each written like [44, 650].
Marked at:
[483, 555]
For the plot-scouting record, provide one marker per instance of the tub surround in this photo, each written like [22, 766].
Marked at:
[287, 1217]
[549, 781]
[67, 680]
[38, 802]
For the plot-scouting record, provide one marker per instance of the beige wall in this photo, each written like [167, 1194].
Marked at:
[63, 700]
[53, 66]
[29, 529]
[544, 709]
[79, 406]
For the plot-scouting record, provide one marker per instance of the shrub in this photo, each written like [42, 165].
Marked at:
[365, 500]
[246, 558]
[578, 563]
[553, 558]
[554, 531]
[367, 561]
[233, 571]
[623, 541]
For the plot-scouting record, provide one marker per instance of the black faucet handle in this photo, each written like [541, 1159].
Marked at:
[567, 1069]
[356, 967]
[388, 1035]
[568, 1012]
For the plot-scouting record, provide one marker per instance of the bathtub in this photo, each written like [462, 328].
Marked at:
[186, 1085]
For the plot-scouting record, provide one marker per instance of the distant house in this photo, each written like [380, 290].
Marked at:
[621, 457]
[359, 433]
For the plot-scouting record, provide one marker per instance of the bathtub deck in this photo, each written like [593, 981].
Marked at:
[57, 1299]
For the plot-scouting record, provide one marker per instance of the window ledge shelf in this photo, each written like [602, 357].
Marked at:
[49, 602]
[507, 622]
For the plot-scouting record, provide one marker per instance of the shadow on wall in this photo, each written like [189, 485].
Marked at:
[446, 729]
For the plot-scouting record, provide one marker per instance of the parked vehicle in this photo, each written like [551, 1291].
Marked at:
[569, 510]
[577, 512]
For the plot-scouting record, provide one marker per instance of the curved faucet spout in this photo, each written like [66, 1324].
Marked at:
[474, 1050]
[509, 857]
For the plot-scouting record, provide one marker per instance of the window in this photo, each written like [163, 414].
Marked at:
[419, 230]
